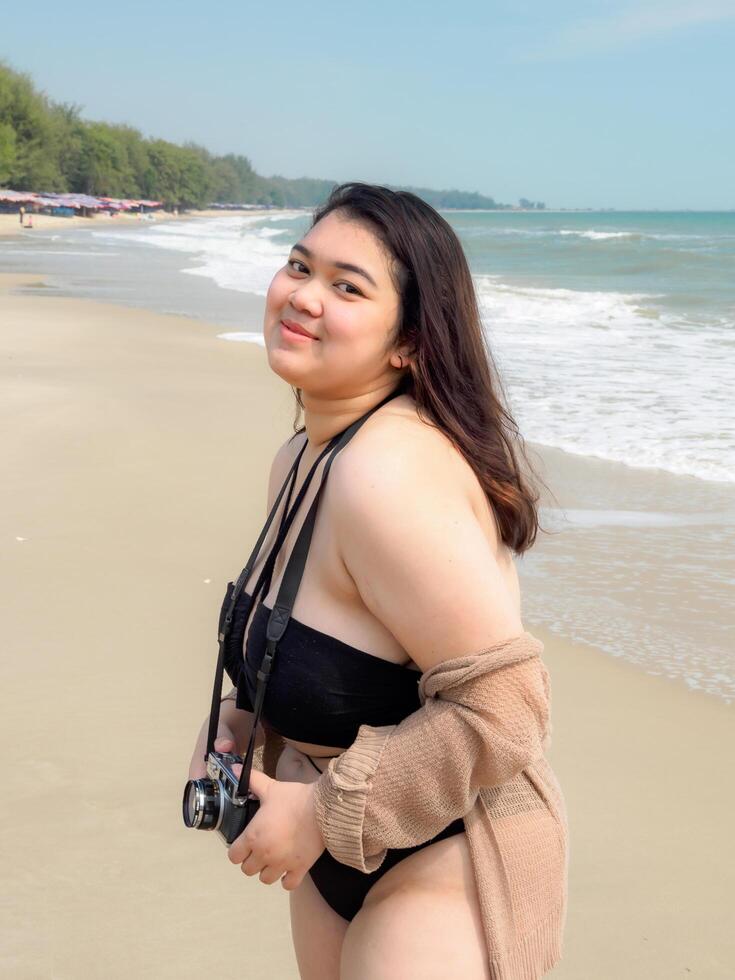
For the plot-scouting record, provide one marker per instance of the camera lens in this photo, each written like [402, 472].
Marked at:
[202, 804]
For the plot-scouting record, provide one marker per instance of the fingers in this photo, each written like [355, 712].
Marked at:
[291, 880]
[241, 852]
[198, 766]
[240, 849]
[269, 876]
[252, 865]
[260, 784]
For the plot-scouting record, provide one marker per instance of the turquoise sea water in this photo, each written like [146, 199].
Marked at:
[614, 331]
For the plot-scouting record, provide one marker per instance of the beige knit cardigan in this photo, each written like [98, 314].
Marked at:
[475, 748]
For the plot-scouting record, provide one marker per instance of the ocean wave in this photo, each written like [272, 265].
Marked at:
[599, 373]
[599, 235]
[596, 374]
[237, 252]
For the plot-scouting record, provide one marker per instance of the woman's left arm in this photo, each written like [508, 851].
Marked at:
[423, 566]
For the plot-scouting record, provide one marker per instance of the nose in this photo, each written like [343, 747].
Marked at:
[305, 298]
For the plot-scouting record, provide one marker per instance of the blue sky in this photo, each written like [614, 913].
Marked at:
[596, 104]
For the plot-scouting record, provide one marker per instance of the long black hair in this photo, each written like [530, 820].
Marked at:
[452, 376]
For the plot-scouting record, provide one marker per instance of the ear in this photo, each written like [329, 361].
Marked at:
[401, 358]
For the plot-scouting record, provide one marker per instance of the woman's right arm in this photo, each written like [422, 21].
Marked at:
[233, 735]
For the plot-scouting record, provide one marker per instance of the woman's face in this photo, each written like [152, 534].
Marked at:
[349, 312]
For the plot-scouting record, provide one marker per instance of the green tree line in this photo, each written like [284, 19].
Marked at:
[46, 146]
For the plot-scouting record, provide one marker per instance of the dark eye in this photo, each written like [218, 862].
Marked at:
[356, 292]
[292, 262]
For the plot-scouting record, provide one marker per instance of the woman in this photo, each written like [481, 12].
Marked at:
[411, 566]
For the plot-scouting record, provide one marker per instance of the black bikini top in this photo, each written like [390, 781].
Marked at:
[320, 689]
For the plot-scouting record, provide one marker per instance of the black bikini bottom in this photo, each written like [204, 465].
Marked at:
[344, 888]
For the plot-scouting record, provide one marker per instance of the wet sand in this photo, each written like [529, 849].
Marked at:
[136, 450]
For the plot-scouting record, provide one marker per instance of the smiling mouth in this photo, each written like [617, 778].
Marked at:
[296, 330]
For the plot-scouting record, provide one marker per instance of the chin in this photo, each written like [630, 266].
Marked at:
[280, 365]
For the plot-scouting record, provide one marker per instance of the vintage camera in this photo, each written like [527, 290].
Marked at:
[213, 804]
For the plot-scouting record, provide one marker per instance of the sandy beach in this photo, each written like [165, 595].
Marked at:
[137, 447]
[10, 223]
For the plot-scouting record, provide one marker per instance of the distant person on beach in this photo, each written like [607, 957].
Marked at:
[21, 212]
[405, 801]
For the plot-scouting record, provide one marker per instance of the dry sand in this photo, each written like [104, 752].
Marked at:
[136, 451]
[10, 223]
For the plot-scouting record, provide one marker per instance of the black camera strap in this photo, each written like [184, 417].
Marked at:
[264, 577]
[283, 606]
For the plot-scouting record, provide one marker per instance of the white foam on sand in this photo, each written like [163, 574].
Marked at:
[579, 517]
[242, 336]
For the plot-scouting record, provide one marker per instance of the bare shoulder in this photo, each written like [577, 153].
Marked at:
[397, 449]
[282, 462]
[287, 453]
[411, 541]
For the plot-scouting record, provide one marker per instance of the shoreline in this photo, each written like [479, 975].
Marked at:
[137, 455]
[10, 223]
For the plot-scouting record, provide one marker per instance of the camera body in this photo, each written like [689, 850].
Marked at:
[212, 803]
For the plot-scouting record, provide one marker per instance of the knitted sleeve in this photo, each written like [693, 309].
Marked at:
[483, 719]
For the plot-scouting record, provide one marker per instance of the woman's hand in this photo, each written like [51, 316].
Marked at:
[225, 742]
[283, 839]
[233, 734]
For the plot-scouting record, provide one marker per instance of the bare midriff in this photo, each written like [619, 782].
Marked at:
[294, 765]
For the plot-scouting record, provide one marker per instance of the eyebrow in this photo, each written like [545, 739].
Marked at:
[348, 266]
